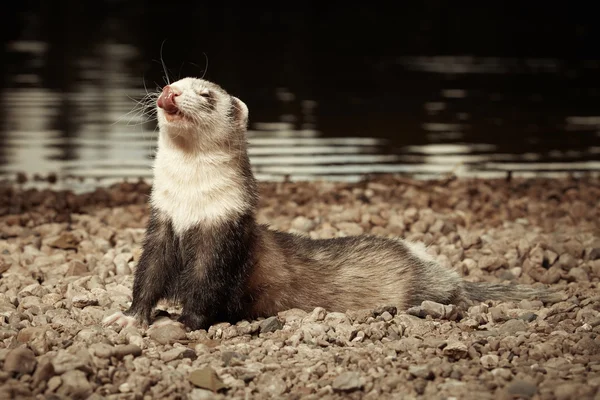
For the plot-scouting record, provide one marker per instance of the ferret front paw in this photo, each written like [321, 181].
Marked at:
[193, 321]
[120, 319]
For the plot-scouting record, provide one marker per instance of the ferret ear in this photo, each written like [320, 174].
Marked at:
[239, 112]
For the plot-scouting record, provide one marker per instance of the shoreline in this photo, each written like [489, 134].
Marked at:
[67, 261]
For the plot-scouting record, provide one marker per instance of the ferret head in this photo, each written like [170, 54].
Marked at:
[195, 114]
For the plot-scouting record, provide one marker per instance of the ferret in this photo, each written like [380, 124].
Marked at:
[204, 248]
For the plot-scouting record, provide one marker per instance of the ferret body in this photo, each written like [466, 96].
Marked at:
[204, 248]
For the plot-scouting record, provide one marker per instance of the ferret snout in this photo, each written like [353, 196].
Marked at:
[166, 100]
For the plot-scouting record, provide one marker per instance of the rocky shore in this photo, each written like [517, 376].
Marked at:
[67, 261]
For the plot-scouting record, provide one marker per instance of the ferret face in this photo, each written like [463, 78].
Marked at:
[200, 113]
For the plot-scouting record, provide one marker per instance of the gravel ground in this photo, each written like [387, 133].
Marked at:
[67, 262]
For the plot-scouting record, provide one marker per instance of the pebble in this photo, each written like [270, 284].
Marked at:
[168, 333]
[522, 389]
[270, 324]
[20, 361]
[74, 385]
[273, 385]
[489, 361]
[347, 382]
[455, 349]
[421, 371]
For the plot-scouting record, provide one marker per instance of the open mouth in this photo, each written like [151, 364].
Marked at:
[176, 116]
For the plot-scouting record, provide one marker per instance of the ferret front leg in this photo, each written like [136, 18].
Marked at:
[156, 268]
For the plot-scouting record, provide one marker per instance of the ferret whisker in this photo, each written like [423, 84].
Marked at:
[162, 60]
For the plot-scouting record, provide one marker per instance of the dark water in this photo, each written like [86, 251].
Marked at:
[334, 91]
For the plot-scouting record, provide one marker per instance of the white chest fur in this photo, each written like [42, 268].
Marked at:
[199, 190]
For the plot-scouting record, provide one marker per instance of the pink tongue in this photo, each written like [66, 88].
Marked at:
[166, 100]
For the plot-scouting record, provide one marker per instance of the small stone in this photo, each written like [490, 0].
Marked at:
[102, 350]
[386, 316]
[503, 373]
[489, 361]
[84, 300]
[20, 360]
[513, 326]
[207, 378]
[77, 268]
[36, 338]
[392, 310]
[421, 371]
[497, 314]
[551, 257]
[490, 263]
[273, 385]
[455, 349]
[578, 274]
[74, 385]
[522, 389]
[337, 318]
[172, 354]
[232, 358]
[528, 317]
[201, 394]
[593, 253]
[270, 324]
[303, 224]
[167, 333]
[567, 261]
[65, 361]
[348, 382]
[292, 315]
[350, 228]
[318, 314]
[127, 349]
[43, 372]
[54, 383]
[66, 241]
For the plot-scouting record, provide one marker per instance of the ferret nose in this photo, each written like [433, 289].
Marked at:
[166, 100]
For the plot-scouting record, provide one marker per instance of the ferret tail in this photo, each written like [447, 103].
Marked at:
[482, 291]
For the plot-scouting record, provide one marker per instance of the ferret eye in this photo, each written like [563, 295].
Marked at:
[205, 93]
